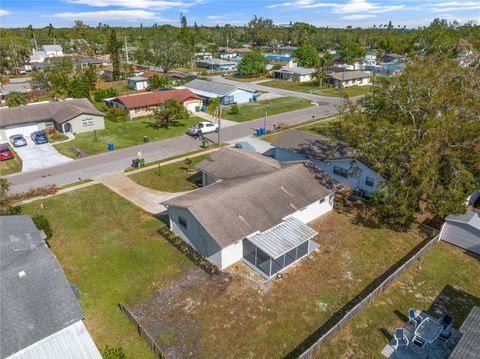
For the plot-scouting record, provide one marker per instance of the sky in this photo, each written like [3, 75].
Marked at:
[333, 13]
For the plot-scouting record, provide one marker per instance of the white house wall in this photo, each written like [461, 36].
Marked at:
[350, 181]
[314, 210]
[79, 127]
[241, 96]
[195, 234]
[231, 254]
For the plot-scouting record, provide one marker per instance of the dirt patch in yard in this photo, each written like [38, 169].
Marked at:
[238, 314]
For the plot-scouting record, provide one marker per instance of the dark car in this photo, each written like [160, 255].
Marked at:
[18, 141]
[5, 153]
[39, 137]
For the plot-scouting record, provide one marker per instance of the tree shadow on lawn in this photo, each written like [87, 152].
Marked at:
[154, 125]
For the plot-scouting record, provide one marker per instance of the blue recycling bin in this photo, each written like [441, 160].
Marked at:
[111, 147]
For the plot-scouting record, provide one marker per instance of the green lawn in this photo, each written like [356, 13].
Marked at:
[254, 110]
[123, 134]
[11, 166]
[174, 177]
[446, 277]
[110, 250]
[309, 87]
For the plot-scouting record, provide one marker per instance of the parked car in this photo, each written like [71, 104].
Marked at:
[5, 153]
[18, 140]
[39, 137]
[202, 128]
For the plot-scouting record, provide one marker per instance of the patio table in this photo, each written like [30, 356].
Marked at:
[429, 330]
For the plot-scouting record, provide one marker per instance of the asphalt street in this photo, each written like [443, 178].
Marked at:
[114, 162]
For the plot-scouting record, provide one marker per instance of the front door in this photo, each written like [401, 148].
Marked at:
[67, 127]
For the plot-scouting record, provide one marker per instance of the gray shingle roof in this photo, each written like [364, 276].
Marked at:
[232, 209]
[36, 299]
[469, 345]
[469, 217]
[313, 146]
[349, 75]
[60, 112]
[211, 87]
[232, 163]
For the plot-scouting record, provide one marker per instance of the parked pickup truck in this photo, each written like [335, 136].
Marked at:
[202, 128]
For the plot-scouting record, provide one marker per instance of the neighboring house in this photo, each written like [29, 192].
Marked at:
[142, 104]
[75, 115]
[463, 230]
[46, 51]
[283, 60]
[40, 315]
[349, 78]
[228, 94]
[259, 216]
[137, 83]
[300, 74]
[25, 88]
[392, 58]
[203, 55]
[229, 53]
[339, 67]
[468, 346]
[333, 157]
[384, 69]
[217, 64]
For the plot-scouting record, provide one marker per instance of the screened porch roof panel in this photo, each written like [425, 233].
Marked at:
[285, 236]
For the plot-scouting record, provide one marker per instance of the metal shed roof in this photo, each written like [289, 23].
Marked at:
[283, 237]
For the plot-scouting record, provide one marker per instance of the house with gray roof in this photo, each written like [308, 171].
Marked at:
[463, 230]
[335, 158]
[228, 94]
[74, 115]
[297, 73]
[349, 78]
[468, 346]
[217, 64]
[137, 83]
[40, 314]
[257, 211]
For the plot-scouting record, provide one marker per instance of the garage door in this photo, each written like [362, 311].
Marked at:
[35, 156]
[191, 106]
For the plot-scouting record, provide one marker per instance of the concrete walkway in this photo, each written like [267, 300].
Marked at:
[207, 117]
[146, 198]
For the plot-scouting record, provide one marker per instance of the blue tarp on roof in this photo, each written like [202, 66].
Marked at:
[278, 57]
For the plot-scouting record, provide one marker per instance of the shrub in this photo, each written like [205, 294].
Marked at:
[102, 94]
[112, 353]
[42, 223]
[233, 109]
[116, 114]
[188, 250]
[10, 210]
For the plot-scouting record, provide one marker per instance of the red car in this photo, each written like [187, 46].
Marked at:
[5, 153]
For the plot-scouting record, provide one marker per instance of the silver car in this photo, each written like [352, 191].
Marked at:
[18, 141]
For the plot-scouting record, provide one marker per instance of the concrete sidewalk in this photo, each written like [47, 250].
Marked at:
[146, 198]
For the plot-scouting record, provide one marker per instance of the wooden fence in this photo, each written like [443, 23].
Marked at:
[143, 333]
[360, 302]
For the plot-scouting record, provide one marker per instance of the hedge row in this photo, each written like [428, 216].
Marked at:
[188, 250]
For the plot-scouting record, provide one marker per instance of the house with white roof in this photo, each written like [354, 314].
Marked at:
[46, 51]
[228, 94]
[137, 83]
[300, 74]
[349, 78]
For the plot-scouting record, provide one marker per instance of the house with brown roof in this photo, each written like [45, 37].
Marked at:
[256, 211]
[73, 115]
[142, 104]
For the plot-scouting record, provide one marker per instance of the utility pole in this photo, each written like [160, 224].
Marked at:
[126, 49]
[227, 43]
[219, 120]
[265, 119]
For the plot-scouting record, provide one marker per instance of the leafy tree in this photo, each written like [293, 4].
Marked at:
[166, 52]
[307, 56]
[421, 131]
[42, 223]
[349, 51]
[102, 94]
[156, 82]
[253, 64]
[233, 110]
[113, 48]
[116, 114]
[15, 99]
[170, 113]
[213, 105]
[79, 86]
[321, 72]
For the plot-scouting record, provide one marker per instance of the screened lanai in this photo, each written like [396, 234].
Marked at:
[272, 251]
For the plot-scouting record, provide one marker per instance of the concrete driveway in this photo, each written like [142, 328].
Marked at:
[35, 156]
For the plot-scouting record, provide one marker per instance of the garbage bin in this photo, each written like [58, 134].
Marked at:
[204, 143]
[145, 139]
[110, 147]
[135, 163]
[141, 162]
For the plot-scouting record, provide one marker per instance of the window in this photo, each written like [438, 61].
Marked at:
[340, 171]
[369, 181]
[322, 200]
[182, 222]
[49, 124]
[228, 100]
[87, 122]
[141, 109]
